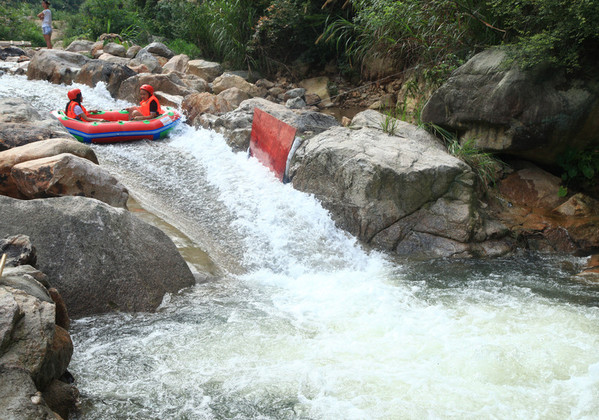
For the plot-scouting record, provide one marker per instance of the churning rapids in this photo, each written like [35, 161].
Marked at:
[300, 322]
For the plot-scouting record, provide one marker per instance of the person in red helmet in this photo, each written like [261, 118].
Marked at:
[149, 107]
[75, 110]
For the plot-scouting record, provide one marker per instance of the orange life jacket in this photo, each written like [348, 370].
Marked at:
[144, 106]
[71, 110]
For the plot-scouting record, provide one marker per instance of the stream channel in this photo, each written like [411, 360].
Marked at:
[293, 319]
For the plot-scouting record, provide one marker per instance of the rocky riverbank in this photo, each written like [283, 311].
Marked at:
[397, 190]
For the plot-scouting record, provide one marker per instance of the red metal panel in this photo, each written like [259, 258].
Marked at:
[270, 141]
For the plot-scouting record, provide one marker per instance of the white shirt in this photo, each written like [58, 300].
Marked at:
[77, 110]
[47, 17]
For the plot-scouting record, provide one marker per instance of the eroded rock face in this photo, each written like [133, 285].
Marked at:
[100, 258]
[401, 193]
[542, 220]
[34, 351]
[535, 115]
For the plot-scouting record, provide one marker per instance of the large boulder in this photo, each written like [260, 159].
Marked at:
[236, 125]
[207, 70]
[177, 63]
[67, 174]
[56, 66]
[148, 60]
[115, 49]
[402, 193]
[114, 59]
[37, 150]
[80, 46]
[100, 258]
[101, 71]
[34, 351]
[199, 103]
[228, 80]
[532, 114]
[168, 83]
[159, 49]
[21, 123]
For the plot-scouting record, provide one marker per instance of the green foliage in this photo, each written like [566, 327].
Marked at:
[428, 33]
[288, 31]
[484, 165]
[99, 16]
[18, 23]
[558, 32]
[389, 124]
[581, 169]
[180, 46]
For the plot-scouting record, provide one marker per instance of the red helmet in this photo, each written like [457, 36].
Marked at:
[148, 89]
[73, 93]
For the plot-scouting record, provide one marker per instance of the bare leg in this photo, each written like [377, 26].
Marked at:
[48, 41]
[135, 114]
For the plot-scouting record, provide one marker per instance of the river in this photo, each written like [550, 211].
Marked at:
[295, 320]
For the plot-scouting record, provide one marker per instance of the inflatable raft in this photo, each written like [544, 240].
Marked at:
[118, 127]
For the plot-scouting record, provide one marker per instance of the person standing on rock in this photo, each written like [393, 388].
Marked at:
[148, 107]
[75, 110]
[46, 17]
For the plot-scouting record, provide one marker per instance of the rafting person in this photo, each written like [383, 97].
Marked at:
[148, 108]
[75, 110]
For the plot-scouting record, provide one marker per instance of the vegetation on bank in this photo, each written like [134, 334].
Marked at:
[269, 35]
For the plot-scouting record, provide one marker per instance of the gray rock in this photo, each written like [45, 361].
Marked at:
[168, 83]
[80, 45]
[160, 49]
[21, 123]
[116, 49]
[295, 103]
[400, 194]
[101, 71]
[20, 278]
[19, 250]
[56, 66]
[206, 70]
[533, 114]
[100, 258]
[18, 397]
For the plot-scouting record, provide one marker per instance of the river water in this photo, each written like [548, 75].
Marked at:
[295, 320]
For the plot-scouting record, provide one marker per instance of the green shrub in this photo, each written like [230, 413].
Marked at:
[288, 31]
[581, 170]
[18, 23]
[180, 46]
[96, 17]
[559, 32]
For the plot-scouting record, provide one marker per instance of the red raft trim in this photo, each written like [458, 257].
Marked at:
[119, 128]
[270, 141]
